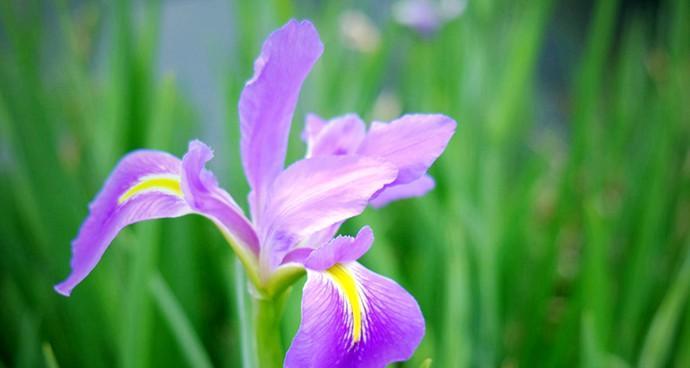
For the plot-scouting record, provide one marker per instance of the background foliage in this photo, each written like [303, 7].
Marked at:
[558, 234]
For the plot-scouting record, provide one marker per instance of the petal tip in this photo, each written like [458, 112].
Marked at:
[197, 145]
[366, 231]
[63, 289]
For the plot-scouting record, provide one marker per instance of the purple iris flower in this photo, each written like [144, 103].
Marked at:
[350, 315]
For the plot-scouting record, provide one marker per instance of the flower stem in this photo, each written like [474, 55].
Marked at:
[244, 315]
[267, 315]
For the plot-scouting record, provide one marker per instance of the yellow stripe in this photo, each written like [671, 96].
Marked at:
[152, 183]
[347, 284]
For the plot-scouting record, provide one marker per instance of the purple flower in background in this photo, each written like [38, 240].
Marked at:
[427, 16]
[350, 315]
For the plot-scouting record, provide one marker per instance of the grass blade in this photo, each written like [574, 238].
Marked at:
[180, 326]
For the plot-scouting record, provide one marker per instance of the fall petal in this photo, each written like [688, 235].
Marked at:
[204, 196]
[352, 317]
[144, 185]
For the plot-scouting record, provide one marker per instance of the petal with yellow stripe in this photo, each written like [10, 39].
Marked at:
[353, 317]
[148, 185]
[166, 184]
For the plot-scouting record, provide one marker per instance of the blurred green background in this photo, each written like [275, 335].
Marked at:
[558, 234]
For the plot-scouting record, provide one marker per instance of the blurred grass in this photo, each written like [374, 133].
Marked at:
[546, 243]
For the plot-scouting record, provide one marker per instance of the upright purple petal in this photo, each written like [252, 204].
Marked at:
[204, 196]
[315, 193]
[392, 193]
[340, 136]
[411, 143]
[268, 102]
[352, 317]
[321, 237]
[312, 127]
[144, 185]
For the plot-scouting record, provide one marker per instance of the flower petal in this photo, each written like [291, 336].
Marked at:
[412, 143]
[341, 249]
[352, 317]
[392, 193]
[340, 136]
[148, 185]
[312, 127]
[204, 196]
[268, 101]
[145, 185]
[321, 237]
[315, 193]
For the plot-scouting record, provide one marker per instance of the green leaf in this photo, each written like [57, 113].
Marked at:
[179, 324]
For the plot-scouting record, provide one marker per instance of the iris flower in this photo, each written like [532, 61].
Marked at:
[351, 316]
[427, 16]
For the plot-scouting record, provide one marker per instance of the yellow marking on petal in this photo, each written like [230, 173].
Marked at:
[346, 283]
[169, 184]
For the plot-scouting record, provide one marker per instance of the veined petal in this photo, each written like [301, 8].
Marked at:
[149, 185]
[320, 237]
[204, 196]
[268, 101]
[392, 193]
[352, 317]
[340, 136]
[411, 143]
[313, 194]
[145, 185]
[340, 249]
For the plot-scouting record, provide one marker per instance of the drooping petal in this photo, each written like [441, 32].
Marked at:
[340, 136]
[412, 143]
[148, 185]
[342, 249]
[145, 185]
[315, 193]
[204, 196]
[352, 317]
[392, 193]
[268, 101]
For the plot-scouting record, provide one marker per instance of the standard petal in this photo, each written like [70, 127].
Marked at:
[412, 143]
[204, 196]
[315, 193]
[393, 193]
[269, 98]
[323, 236]
[340, 136]
[312, 126]
[352, 317]
[144, 185]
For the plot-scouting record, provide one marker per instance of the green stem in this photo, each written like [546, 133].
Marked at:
[267, 314]
[246, 333]
[268, 301]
